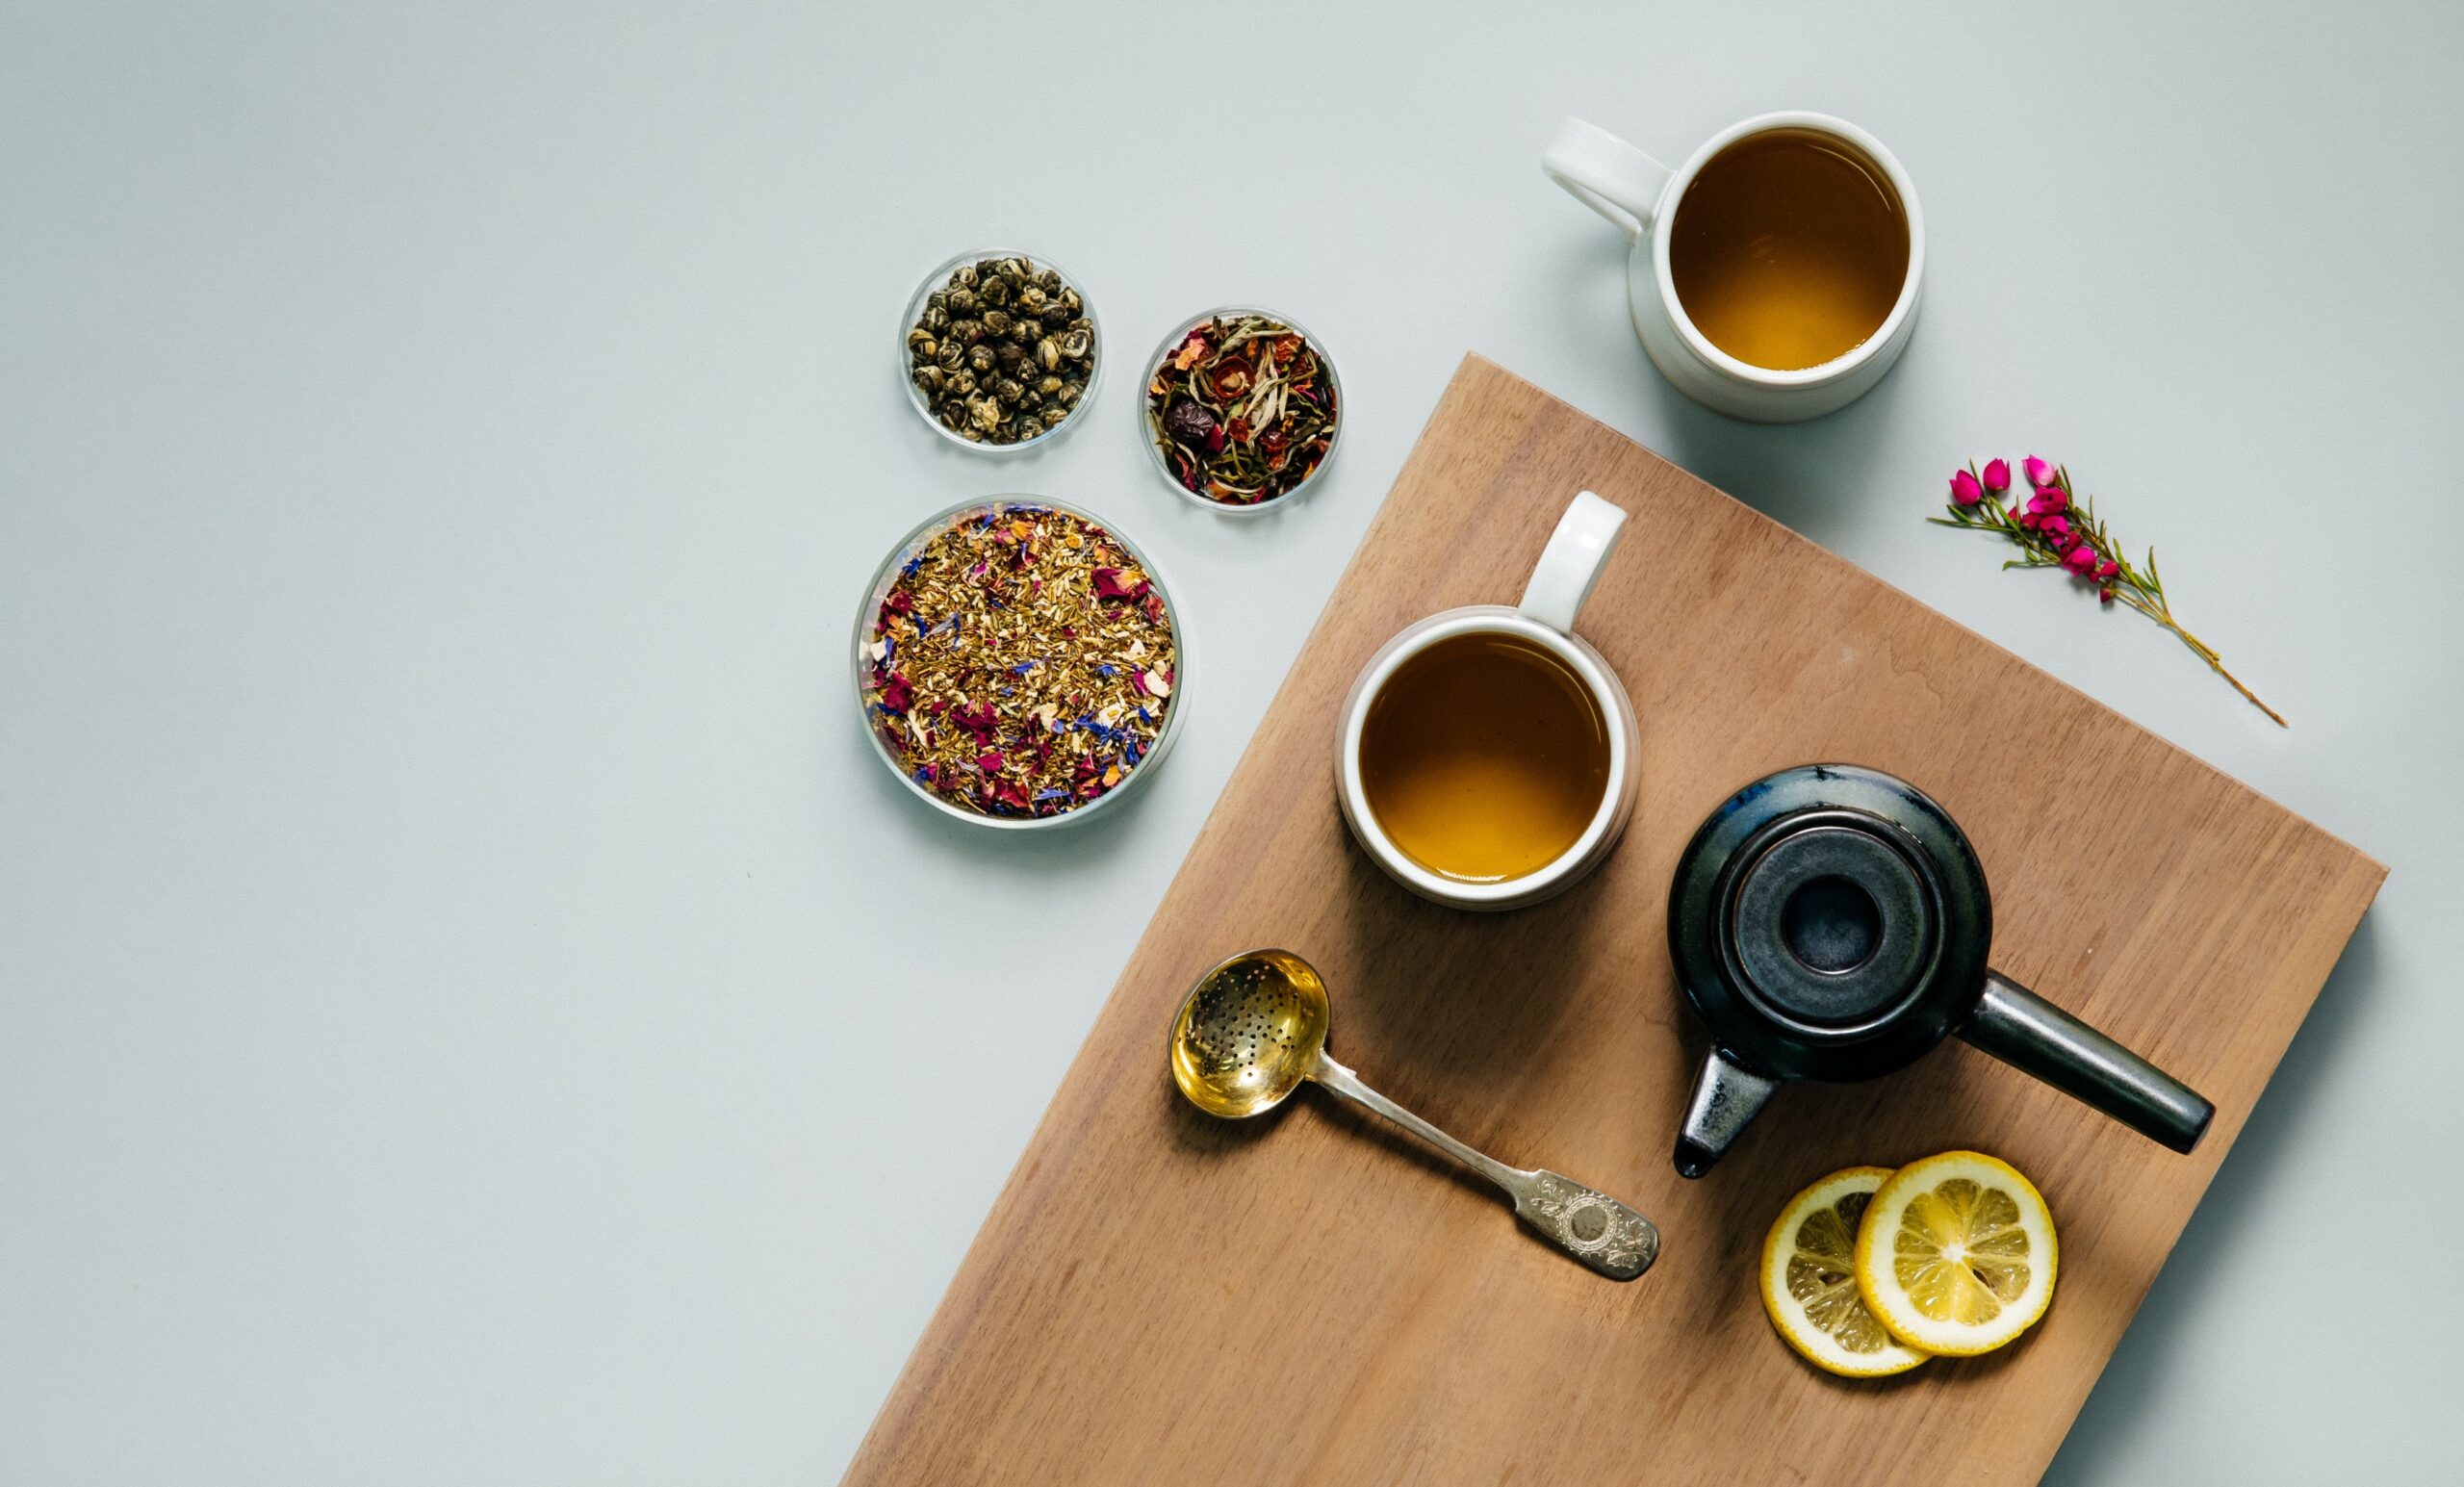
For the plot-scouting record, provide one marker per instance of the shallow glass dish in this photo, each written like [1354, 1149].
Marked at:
[939, 278]
[1151, 435]
[862, 655]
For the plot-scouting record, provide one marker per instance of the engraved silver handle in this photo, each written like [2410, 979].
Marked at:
[1588, 1224]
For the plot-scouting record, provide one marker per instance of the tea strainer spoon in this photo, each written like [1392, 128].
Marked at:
[1254, 1028]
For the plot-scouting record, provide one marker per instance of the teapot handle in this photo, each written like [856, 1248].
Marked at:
[2032, 1034]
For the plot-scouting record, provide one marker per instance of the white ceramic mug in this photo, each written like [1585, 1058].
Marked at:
[1569, 566]
[1640, 196]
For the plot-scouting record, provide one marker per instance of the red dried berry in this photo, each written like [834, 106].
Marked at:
[1188, 421]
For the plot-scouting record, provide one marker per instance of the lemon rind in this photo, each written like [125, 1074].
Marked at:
[1923, 1333]
[1808, 1341]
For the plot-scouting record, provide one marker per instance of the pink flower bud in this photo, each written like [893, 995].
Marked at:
[2108, 569]
[2105, 596]
[2081, 560]
[2048, 499]
[2028, 520]
[1964, 490]
[1997, 476]
[2059, 526]
[2039, 474]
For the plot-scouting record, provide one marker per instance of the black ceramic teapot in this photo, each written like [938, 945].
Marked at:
[1832, 922]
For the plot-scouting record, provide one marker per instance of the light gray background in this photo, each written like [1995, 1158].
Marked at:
[470, 1011]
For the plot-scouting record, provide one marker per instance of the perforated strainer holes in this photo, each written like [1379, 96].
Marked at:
[1241, 1015]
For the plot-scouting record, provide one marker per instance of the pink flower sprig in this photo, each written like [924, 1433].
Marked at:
[2055, 531]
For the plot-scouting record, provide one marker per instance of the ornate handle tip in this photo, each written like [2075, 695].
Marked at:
[1590, 1225]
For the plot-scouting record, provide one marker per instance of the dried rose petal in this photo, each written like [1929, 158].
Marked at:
[1108, 585]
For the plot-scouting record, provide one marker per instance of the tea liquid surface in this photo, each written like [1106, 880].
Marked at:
[1485, 757]
[1788, 250]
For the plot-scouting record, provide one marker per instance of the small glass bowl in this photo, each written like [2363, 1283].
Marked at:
[939, 278]
[879, 588]
[1146, 416]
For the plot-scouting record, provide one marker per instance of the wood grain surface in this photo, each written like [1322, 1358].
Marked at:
[1159, 1296]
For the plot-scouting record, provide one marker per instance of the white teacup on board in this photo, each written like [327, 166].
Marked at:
[1569, 566]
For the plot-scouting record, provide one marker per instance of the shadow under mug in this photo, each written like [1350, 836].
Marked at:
[1640, 196]
[1568, 567]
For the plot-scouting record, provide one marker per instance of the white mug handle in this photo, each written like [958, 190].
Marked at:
[1606, 174]
[1571, 561]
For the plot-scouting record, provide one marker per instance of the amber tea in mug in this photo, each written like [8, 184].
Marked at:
[1788, 250]
[1485, 757]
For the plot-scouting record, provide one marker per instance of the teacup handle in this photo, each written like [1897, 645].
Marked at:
[1606, 174]
[1570, 564]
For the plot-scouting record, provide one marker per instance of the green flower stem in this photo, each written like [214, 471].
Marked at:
[2143, 590]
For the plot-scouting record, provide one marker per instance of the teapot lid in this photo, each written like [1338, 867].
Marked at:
[1830, 922]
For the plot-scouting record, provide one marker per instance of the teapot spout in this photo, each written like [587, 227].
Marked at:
[1726, 1097]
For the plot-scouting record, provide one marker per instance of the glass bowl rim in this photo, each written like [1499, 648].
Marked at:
[1146, 419]
[870, 607]
[915, 311]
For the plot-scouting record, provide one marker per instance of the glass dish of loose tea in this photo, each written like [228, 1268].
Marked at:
[1240, 409]
[1019, 663]
[999, 350]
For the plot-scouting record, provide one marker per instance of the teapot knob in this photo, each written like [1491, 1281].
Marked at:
[1726, 1097]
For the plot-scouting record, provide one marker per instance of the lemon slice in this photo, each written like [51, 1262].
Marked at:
[1809, 1280]
[1957, 1254]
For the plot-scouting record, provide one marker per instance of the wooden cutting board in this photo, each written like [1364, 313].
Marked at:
[1159, 1296]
